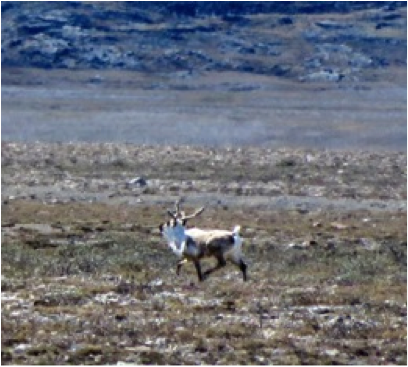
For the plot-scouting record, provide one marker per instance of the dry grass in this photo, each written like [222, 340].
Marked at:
[91, 281]
[111, 294]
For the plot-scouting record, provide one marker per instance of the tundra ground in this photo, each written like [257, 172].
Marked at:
[86, 278]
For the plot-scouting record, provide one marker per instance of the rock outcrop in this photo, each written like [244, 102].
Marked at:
[329, 41]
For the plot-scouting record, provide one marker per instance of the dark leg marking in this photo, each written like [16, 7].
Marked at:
[243, 268]
[221, 263]
[198, 268]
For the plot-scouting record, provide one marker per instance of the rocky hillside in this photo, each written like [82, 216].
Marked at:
[329, 41]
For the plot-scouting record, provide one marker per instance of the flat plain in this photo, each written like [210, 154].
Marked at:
[314, 173]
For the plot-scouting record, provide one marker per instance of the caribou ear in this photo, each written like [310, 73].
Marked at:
[169, 212]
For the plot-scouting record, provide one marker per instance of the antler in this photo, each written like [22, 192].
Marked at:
[177, 213]
[197, 212]
[181, 214]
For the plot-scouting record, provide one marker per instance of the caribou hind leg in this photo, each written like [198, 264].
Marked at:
[220, 264]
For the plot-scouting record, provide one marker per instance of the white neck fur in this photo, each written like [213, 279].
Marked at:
[176, 238]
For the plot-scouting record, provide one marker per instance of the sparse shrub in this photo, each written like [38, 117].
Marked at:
[287, 162]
